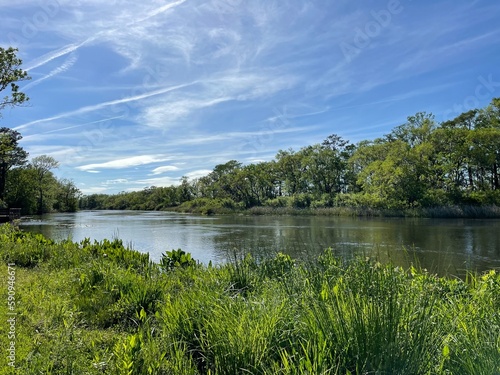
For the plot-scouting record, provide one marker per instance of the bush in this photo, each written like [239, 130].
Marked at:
[176, 259]
[302, 200]
[325, 201]
[207, 206]
[278, 202]
[435, 197]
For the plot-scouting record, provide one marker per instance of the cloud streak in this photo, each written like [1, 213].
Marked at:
[133, 161]
[97, 107]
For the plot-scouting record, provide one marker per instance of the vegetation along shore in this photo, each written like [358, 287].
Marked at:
[100, 308]
[421, 168]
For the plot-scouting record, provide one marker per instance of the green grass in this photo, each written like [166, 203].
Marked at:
[100, 308]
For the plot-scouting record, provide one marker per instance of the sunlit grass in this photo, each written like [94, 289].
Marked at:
[99, 308]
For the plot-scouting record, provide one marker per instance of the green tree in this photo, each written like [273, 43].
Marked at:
[44, 178]
[11, 155]
[255, 183]
[327, 166]
[185, 190]
[220, 182]
[399, 169]
[291, 172]
[10, 74]
[67, 196]
[21, 190]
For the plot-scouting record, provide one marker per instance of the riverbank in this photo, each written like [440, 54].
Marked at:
[99, 308]
[215, 207]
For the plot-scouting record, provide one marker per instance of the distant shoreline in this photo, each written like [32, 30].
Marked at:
[458, 212]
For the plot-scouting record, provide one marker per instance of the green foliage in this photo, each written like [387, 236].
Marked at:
[277, 268]
[207, 206]
[98, 308]
[10, 74]
[278, 202]
[176, 259]
[35, 189]
[326, 200]
[11, 154]
[419, 165]
[24, 249]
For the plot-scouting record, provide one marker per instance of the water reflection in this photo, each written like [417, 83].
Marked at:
[440, 245]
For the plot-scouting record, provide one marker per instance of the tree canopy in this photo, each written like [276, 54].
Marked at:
[420, 163]
[10, 74]
[11, 155]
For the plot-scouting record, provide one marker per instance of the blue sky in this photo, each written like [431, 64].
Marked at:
[131, 94]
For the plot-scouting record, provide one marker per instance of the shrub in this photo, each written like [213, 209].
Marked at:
[300, 201]
[176, 259]
[278, 202]
[326, 200]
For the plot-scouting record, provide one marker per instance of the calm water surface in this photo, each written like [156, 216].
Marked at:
[444, 246]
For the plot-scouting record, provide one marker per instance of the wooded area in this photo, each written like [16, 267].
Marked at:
[418, 164]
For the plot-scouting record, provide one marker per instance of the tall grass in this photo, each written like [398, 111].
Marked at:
[100, 308]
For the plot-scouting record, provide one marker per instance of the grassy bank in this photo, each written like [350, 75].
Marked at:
[98, 308]
[205, 206]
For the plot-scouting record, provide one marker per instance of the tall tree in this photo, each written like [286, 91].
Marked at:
[10, 74]
[67, 196]
[11, 155]
[42, 166]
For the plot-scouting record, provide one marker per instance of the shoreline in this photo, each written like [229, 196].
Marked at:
[444, 212]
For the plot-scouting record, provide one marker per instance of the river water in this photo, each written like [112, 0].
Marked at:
[443, 246]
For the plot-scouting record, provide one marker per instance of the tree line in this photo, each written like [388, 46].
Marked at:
[29, 185]
[420, 163]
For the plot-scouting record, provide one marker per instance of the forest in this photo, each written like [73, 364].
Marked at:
[31, 184]
[419, 164]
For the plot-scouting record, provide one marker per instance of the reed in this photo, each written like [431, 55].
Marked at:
[100, 308]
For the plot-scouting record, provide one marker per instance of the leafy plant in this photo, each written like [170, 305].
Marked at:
[176, 259]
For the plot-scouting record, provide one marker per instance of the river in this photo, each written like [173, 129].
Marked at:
[443, 246]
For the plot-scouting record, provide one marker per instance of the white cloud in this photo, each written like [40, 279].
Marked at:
[125, 163]
[70, 61]
[166, 168]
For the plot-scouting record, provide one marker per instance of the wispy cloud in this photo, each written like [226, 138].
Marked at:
[133, 89]
[71, 48]
[166, 168]
[126, 162]
[97, 107]
[70, 61]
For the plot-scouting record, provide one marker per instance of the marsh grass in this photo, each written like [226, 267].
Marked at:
[450, 211]
[100, 308]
